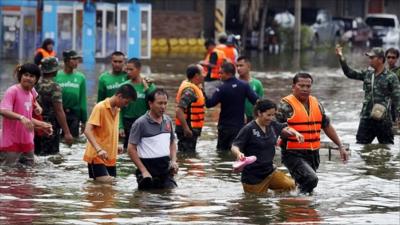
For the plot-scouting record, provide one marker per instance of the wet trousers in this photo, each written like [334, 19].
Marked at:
[226, 135]
[187, 144]
[302, 165]
[277, 180]
[368, 129]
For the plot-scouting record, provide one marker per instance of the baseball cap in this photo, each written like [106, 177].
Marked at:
[376, 52]
[49, 65]
[71, 54]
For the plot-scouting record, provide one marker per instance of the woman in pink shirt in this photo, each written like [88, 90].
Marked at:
[16, 140]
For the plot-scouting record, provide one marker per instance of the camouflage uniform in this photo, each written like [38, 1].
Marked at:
[396, 71]
[386, 89]
[187, 144]
[49, 92]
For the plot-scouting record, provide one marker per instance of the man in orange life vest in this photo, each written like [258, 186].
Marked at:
[212, 63]
[45, 51]
[227, 45]
[190, 109]
[305, 114]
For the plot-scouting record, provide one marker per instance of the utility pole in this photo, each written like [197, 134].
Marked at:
[219, 24]
[297, 26]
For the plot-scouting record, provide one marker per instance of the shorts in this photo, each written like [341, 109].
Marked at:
[99, 170]
[12, 158]
[277, 180]
[211, 86]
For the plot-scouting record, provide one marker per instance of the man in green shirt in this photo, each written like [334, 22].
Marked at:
[381, 87]
[136, 109]
[73, 86]
[109, 81]
[392, 55]
[243, 67]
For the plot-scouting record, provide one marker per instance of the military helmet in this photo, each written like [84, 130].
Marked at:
[49, 65]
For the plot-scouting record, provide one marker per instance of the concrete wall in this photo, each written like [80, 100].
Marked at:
[171, 24]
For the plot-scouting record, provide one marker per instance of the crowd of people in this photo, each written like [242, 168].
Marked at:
[49, 104]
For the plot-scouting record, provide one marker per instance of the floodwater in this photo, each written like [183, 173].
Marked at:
[366, 190]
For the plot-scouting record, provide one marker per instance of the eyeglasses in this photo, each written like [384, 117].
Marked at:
[391, 57]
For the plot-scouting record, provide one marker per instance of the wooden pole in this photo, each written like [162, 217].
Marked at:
[297, 26]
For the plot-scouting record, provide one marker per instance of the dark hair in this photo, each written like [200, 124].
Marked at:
[46, 42]
[228, 68]
[302, 75]
[393, 51]
[209, 42]
[127, 91]
[245, 58]
[29, 68]
[192, 70]
[136, 62]
[152, 95]
[117, 53]
[263, 105]
[222, 39]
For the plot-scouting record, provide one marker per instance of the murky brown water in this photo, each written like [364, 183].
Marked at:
[366, 190]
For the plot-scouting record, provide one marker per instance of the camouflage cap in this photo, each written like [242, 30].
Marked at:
[49, 65]
[376, 52]
[70, 54]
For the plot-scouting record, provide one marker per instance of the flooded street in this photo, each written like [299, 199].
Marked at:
[366, 190]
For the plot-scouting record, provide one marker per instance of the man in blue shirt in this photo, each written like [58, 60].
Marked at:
[232, 95]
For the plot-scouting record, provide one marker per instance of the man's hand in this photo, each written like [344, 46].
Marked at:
[69, 140]
[187, 132]
[344, 155]
[146, 174]
[120, 149]
[83, 125]
[339, 51]
[121, 133]
[102, 154]
[174, 167]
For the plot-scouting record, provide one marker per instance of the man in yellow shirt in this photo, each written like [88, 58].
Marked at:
[102, 134]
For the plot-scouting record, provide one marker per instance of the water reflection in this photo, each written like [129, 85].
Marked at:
[102, 200]
[378, 161]
[16, 190]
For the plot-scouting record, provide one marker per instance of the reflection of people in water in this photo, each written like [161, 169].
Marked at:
[376, 158]
[101, 197]
[15, 198]
[297, 210]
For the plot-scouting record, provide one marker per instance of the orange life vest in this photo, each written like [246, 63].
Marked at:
[196, 110]
[45, 54]
[229, 52]
[306, 123]
[221, 59]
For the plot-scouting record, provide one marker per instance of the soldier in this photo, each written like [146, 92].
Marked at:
[50, 98]
[380, 87]
[392, 55]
